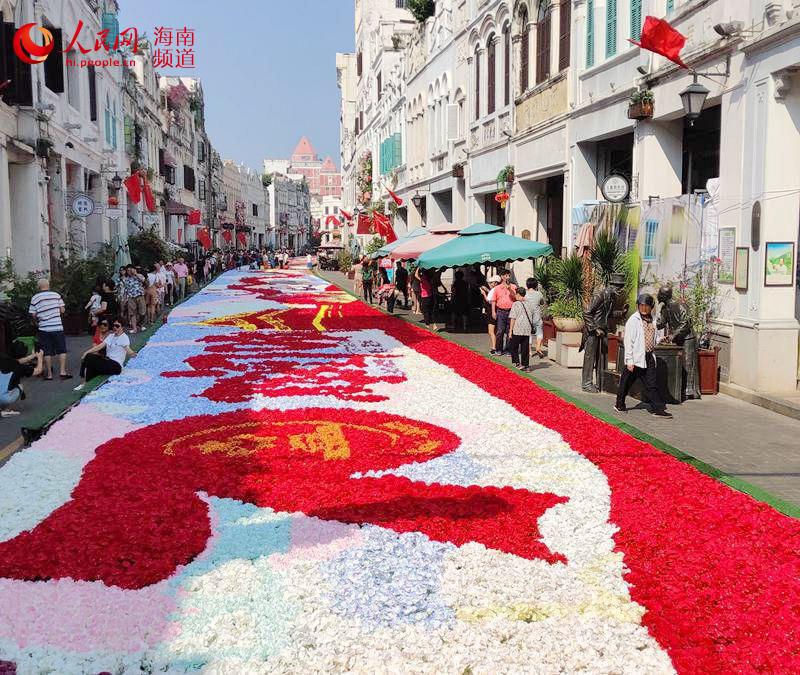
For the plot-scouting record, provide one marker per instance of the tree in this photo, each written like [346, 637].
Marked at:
[147, 247]
[376, 243]
[421, 9]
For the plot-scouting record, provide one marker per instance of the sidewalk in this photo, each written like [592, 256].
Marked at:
[742, 441]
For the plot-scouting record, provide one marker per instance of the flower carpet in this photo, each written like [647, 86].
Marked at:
[288, 481]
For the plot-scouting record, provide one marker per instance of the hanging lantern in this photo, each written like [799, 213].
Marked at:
[502, 198]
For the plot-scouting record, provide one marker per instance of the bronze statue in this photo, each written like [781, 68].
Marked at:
[593, 344]
[674, 320]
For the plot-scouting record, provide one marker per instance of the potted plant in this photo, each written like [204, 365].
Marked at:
[505, 179]
[642, 105]
[700, 295]
[567, 315]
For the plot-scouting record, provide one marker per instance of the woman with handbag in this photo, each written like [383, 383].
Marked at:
[523, 325]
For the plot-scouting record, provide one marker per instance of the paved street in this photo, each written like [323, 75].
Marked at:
[287, 480]
[723, 431]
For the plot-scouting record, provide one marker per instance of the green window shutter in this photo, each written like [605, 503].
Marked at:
[636, 19]
[111, 24]
[611, 28]
[670, 5]
[398, 149]
[383, 157]
[589, 33]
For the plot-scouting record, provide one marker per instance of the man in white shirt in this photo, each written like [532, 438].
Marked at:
[640, 361]
[46, 309]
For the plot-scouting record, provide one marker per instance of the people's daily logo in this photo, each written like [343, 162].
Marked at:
[26, 49]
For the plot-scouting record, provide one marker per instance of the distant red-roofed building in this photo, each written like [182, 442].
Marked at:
[323, 177]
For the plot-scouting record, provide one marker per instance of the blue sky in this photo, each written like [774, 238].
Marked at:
[268, 69]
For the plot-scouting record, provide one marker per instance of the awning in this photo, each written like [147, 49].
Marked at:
[483, 244]
[386, 250]
[434, 237]
[174, 208]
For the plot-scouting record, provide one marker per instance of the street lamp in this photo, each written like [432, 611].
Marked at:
[116, 182]
[417, 200]
[693, 98]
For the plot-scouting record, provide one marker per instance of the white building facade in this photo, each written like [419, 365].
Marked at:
[544, 88]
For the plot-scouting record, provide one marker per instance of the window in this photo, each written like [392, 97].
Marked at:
[636, 19]
[400, 4]
[507, 65]
[611, 27]
[255, 210]
[359, 63]
[107, 119]
[188, 178]
[73, 81]
[565, 26]
[524, 52]
[17, 73]
[543, 43]
[201, 152]
[477, 84]
[92, 94]
[589, 33]
[650, 232]
[54, 65]
[491, 70]
[114, 125]
[201, 189]
[380, 85]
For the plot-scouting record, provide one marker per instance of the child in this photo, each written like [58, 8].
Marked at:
[93, 307]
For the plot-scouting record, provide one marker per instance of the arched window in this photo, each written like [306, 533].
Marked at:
[491, 70]
[543, 42]
[477, 83]
[524, 52]
[507, 65]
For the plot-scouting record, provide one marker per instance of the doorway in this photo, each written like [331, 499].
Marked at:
[554, 196]
[493, 213]
[701, 143]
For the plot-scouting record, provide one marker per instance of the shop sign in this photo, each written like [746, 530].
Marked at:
[615, 188]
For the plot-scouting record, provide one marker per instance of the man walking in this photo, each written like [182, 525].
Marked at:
[640, 361]
[46, 309]
[134, 292]
[502, 300]
[182, 272]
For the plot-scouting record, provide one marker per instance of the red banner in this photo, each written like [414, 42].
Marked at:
[396, 199]
[134, 188]
[383, 226]
[241, 237]
[346, 215]
[227, 235]
[204, 237]
[332, 220]
[149, 202]
[194, 217]
[364, 224]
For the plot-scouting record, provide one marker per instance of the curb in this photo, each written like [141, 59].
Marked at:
[757, 493]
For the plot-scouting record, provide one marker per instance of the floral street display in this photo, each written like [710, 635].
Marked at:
[287, 480]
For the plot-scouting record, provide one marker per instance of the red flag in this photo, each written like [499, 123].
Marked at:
[242, 238]
[149, 202]
[134, 188]
[348, 216]
[659, 37]
[397, 199]
[384, 227]
[364, 224]
[332, 220]
[194, 217]
[227, 236]
[204, 237]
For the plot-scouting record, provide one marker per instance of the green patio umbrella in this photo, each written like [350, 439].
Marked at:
[383, 251]
[482, 243]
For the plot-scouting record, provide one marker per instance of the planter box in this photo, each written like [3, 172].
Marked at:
[709, 370]
[613, 348]
[641, 111]
[568, 325]
[549, 329]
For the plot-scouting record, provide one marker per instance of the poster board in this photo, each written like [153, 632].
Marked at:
[726, 253]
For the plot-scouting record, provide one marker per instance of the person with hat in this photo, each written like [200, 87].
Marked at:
[640, 361]
[595, 318]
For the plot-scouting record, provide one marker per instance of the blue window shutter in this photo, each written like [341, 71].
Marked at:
[636, 19]
[111, 24]
[398, 149]
[670, 5]
[611, 28]
[589, 33]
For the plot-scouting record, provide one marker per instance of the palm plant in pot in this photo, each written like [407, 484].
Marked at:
[567, 310]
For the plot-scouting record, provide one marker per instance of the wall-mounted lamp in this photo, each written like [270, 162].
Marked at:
[417, 200]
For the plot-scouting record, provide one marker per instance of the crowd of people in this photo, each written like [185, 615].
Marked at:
[131, 300]
[513, 315]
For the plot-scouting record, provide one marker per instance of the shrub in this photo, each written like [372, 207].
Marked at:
[567, 308]
[421, 9]
[147, 247]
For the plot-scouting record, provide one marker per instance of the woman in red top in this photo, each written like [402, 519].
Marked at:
[427, 292]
